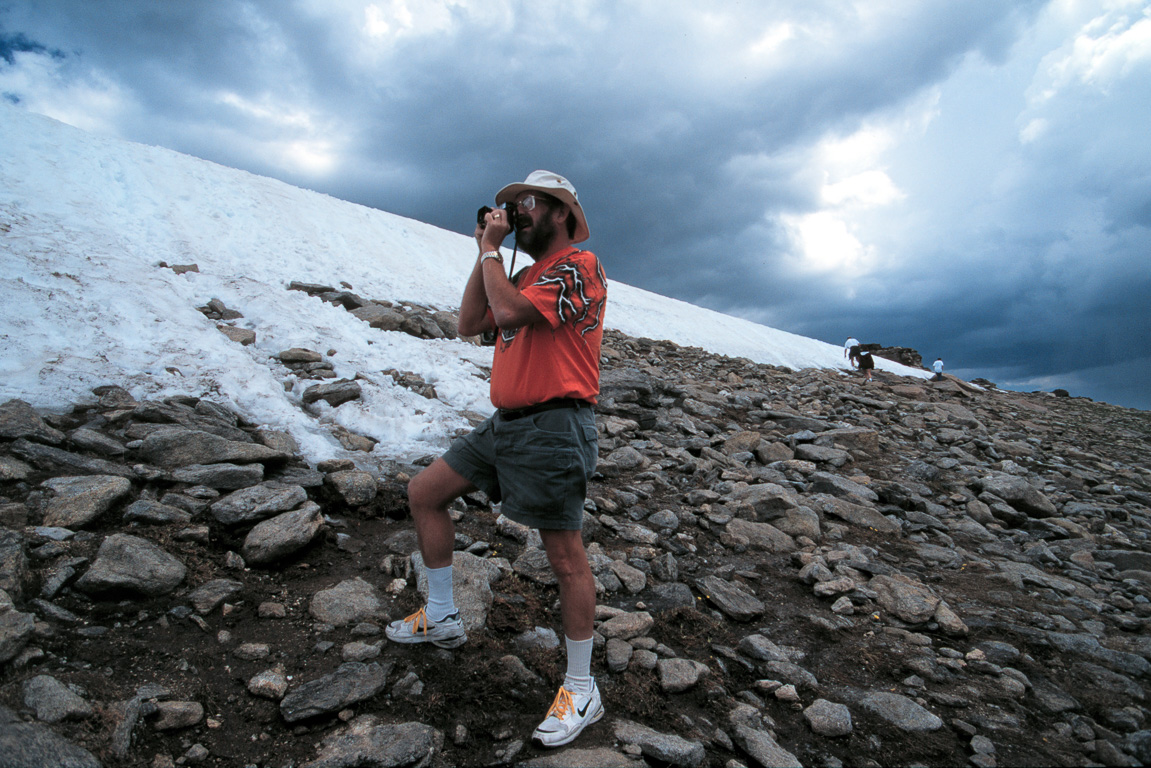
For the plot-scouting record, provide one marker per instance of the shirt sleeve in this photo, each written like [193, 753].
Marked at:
[570, 291]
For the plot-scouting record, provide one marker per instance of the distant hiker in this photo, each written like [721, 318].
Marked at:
[937, 366]
[866, 362]
[849, 346]
[538, 450]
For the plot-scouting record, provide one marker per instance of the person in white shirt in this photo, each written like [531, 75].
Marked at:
[937, 366]
[847, 347]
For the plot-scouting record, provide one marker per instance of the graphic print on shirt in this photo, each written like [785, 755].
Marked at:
[575, 306]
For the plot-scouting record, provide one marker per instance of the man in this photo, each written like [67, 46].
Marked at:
[848, 347]
[865, 361]
[937, 366]
[538, 450]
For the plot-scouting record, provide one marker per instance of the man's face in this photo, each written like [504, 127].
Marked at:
[535, 229]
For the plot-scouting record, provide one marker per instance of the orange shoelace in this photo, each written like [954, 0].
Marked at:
[416, 619]
[562, 705]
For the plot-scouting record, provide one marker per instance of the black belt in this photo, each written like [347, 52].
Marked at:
[511, 414]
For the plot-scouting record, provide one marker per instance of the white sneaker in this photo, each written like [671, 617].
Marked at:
[570, 713]
[418, 628]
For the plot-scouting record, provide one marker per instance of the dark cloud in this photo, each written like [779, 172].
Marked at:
[19, 43]
[1020, 244]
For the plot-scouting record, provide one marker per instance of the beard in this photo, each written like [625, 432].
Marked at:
[537, 238]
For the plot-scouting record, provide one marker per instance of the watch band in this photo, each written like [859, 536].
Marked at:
[492, 255]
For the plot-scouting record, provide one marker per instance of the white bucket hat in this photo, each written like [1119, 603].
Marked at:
[550, 184]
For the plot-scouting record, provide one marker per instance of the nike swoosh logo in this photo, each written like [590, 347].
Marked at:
[583, 711]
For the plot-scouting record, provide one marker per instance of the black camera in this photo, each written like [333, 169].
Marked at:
[510, 210]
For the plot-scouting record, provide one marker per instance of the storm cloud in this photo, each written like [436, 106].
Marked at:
[971, 179]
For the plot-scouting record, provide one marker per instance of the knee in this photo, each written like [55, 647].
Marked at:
[421, 494]
[568, 568]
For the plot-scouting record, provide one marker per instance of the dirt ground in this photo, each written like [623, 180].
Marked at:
[464, 693]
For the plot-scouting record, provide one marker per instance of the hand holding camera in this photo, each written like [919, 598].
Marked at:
[492, 226]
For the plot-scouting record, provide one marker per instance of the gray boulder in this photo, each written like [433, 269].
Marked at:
[352, 682]
[282, 535]
[18, 419]
[259, 502]
[224, 476]
[909, 600]
[901, 712]
[335, 393]
[77, 501]
[349, 602]
[180, 447]
[356, 487]
[126, 562]
[28, 744]
[731, 599]
[16, 628]
[835, 485]
[1018, 493]
[827, 718]
[665, 747]
[148, 511]
[53, 701]
[368, 743]
[763, 536]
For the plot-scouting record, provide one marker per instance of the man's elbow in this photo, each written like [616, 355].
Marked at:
[467, 327]
[511, 318]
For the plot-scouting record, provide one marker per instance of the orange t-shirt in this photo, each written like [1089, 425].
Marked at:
[559, 358]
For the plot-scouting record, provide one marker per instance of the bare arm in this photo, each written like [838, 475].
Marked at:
[474, 305]
[473, 318]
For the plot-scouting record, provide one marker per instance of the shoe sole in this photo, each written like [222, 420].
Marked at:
[454, 642]
[571, 736]
[451, 642]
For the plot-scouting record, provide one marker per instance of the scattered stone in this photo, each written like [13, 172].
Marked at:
[355, 487]
[667, 748]
[352, 682]
[828, 719]
[349, 602]
[275, 539]
[334, 394]
[130, 563]
[734, 601]
[678, 675]
[78, 501]
[367, 741]
[210, 595]
[175, 447]
[901, 712]
[256, 503]
[269, 684]
[19, 420]
[53, 701]
[174, 715]
[28, 744]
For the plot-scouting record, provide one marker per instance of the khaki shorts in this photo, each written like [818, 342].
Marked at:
[538, 466]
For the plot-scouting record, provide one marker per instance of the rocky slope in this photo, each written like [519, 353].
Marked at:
[794, 568]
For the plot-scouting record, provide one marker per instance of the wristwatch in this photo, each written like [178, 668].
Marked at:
[492, 255]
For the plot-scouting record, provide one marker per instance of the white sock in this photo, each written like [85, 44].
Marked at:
[578, 676]
[441, 601]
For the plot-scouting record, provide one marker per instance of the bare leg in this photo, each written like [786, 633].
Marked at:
[577, 586]
[429, 494]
